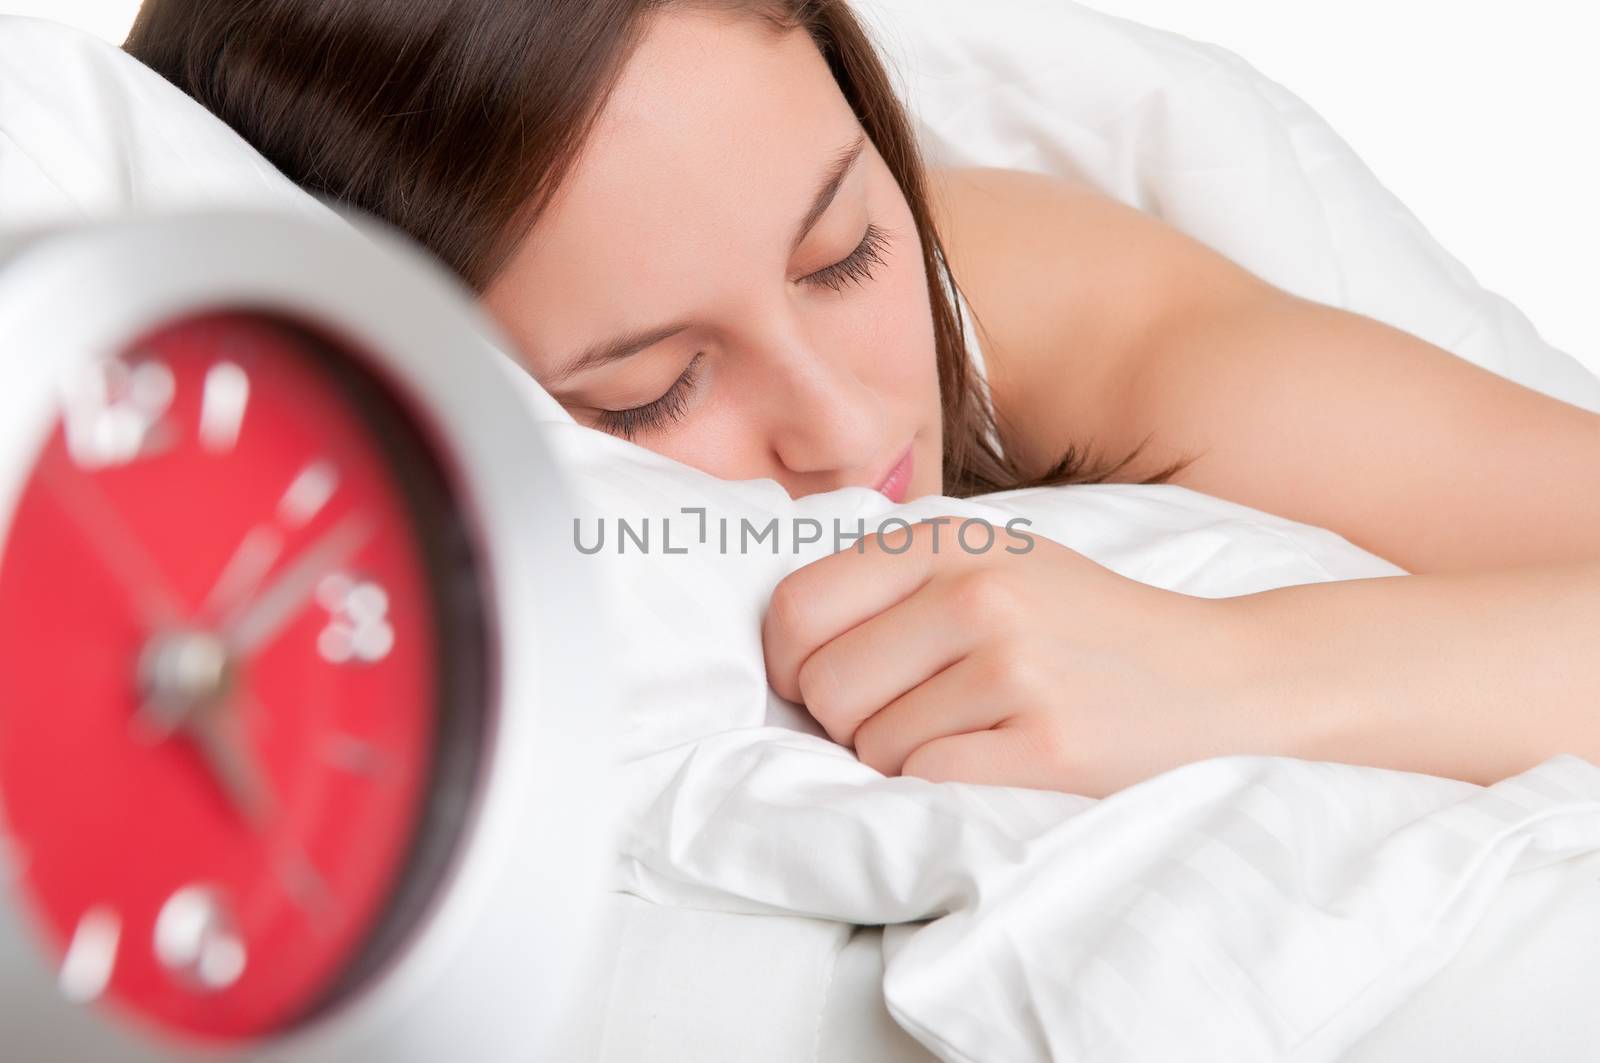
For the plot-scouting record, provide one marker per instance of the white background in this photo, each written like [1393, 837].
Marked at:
[104, 18]
[1481, 116]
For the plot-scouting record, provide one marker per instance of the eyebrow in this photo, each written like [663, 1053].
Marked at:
[831, 183]
[614, 351]
[627, 346]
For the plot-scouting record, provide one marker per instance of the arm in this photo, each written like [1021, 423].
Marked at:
[1484, 663]
[1470, 675]
[1336, 420]
[1481, 664]
[1104, 327]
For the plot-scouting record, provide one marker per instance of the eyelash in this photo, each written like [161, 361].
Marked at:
[855, 268]
[653, 415]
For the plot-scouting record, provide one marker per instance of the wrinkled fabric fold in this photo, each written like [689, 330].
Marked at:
[1285, 906]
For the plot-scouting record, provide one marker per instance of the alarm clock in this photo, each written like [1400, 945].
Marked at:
[298, 759]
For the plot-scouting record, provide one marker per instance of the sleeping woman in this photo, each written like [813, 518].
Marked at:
[705, 226]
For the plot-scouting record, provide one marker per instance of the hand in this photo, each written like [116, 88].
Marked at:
[1037, 668]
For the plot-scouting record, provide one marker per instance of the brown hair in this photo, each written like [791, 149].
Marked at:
[456, 120]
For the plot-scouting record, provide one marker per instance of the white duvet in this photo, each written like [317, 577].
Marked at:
[1245, 908]
[1240, 908]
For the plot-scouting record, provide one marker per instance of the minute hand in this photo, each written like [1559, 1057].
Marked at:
[258, 622]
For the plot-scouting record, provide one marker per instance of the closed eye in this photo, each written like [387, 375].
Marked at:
[655, 414]
[856, 267]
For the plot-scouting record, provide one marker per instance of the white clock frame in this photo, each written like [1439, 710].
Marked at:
[490, 971]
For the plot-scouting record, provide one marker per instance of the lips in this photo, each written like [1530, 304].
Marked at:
[897, 481]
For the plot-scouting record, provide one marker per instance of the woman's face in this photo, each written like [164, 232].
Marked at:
[732, 263]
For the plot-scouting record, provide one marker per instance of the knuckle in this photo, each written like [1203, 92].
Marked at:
[1010, 673]
[1049, 742]
[935, 764]
[985, 594]
[815, 679]
[1050, 746]
[786, 637]
[784, 610]
[819, 691]
[871, 750]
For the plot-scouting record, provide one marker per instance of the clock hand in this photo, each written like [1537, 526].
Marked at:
[256, 623]
[188, 681]
[252, 559]
[219, 732]
[119, 550]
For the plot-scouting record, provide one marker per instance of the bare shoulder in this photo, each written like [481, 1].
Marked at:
[1067, 287]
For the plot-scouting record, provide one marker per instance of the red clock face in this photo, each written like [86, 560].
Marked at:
[223, 676]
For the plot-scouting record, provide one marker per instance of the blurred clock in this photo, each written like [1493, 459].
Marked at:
[270, 513]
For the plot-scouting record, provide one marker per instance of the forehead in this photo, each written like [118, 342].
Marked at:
[705, 155]
[706, 107]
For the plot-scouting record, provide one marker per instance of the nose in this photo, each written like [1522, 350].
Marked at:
[826, 423]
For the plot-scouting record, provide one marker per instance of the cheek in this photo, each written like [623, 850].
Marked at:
[889, 331]
[723, 436]
[718, 442]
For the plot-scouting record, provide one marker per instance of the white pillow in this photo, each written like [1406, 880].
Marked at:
[86, 130]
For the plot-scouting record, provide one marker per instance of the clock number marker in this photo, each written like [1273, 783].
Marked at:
[113, 410]
[358, 627]
[222, 405]
[197, 941]
[308, 493]
[86, 968]
[307, 888]
[351, 754]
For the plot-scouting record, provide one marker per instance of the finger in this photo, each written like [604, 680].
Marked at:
[1002, 756]
[886, 657]
[817, 603]
[957, 701]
